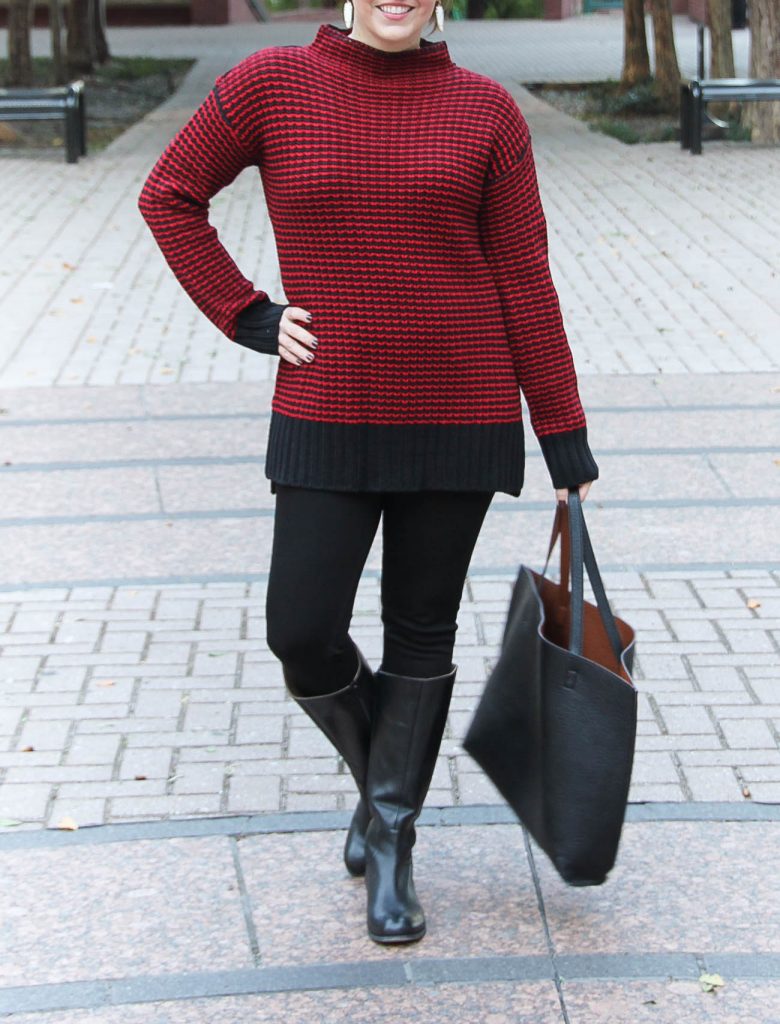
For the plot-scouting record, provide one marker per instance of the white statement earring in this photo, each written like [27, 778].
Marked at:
[439, 15]
[348, 12]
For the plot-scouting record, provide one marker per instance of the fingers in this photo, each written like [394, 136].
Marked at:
[296, 344]
[562, 493]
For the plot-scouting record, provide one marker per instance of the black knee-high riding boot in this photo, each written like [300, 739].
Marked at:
[355, 845]
[345, 718]
[408, 720]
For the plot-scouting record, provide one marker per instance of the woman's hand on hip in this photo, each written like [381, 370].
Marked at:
[296, 344]
[562, 494]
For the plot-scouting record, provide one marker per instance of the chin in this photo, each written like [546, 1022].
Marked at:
[395, 31]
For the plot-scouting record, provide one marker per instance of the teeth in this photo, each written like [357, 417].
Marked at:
[394, 10]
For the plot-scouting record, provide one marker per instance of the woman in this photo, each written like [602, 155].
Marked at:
[413, 248]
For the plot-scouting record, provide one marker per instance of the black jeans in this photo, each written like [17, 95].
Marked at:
[320, 546]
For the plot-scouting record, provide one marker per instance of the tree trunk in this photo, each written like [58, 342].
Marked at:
[721, 51]
[102, 54]
[80, 51]
[667, 70]
[636, 59]
[55, 32]
[475, 9]
[764, 118]
[20, 69]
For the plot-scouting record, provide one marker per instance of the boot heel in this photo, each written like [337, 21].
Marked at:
[355, 843]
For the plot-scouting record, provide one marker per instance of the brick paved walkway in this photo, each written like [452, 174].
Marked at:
[131, 702]
[137, 694]
[653, 277]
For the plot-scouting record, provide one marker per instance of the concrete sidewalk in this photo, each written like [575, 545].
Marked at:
[138, 697]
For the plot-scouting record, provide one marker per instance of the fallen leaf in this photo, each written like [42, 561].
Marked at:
[753, 603]
[7, 133]
[67, 824]
[709, 982]
[140, 778]
[9, 822]
[28, 749]
[76, 301]
[746, 792]
[68, 266]
[104, 682]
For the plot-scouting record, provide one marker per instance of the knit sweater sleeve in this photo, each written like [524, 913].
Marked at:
[513, 233]
[204, 157]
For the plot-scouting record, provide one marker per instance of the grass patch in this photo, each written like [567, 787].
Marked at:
[118, 95]
[636, 115]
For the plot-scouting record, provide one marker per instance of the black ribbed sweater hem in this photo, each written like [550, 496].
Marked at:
[569, 459]
[398, 457]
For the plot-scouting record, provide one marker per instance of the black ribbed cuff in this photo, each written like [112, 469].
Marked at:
[568, 457]
[257, 326]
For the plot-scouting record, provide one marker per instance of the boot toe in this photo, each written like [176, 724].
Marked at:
[408, 927]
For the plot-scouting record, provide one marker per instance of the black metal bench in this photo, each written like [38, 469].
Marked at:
[60, 102]
[697, 92]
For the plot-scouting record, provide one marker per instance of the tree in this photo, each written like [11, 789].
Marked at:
[80, 47]
[476, 8]
[764, 118]
[636, 59]
[20, 68]
[721, 50]
[102, 54]
[55, 33]
[667, 70]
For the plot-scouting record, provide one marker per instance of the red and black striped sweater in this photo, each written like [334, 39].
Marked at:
[403, 197]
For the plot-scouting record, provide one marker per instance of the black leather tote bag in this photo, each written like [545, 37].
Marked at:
[555, 728]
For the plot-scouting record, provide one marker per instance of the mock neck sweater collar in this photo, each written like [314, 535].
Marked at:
[333, 44]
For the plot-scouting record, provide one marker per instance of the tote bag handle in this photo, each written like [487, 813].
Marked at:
[576, 554]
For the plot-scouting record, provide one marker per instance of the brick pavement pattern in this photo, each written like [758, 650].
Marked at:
[135, 525]
[130, 702]
[136, 689]
[651, 275]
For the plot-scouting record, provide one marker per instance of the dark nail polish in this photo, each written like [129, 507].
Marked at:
[309, 357]
[314, 344]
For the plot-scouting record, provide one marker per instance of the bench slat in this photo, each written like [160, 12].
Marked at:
[64, 103]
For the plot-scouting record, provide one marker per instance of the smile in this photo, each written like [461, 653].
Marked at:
[395, 11]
